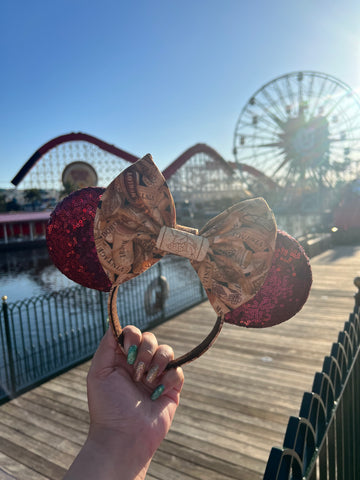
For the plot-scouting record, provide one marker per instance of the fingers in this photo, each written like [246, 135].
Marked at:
[132, 339]
[171, 384]
[139, 348]
[149, 361]
[105, 354]
[163, 355]
[147, 350]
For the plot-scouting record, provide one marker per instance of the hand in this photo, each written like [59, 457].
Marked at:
[120, 393]
[132, 403]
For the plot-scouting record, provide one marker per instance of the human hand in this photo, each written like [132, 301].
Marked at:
[123, 384]
[132, 402]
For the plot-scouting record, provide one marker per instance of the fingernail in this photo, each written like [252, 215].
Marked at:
[131, 356]
[139, 370]
[157, 392]
[152, 374]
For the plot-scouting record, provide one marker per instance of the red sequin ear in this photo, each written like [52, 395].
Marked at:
[70, 239]
[284, 291]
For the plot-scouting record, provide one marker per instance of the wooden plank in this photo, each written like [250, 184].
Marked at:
[164, 472]
[51, 391]
[35, 461]
[59, 403]
[218, 445]
[232, 426]
[184, 466]
[202, 454]
[38, 409]
[236, 399]
[13, 469]
[43, 429]
[70, 392]
[5, 476]
[228, 416]
[52, 452]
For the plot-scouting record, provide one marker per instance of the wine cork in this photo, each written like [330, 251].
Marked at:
[182, 243]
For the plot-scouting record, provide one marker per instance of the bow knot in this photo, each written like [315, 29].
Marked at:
[182, 242]
[135, 226]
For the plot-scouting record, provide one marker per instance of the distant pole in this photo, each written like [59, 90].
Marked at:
[160, 292]
[12, 386]
[103, 317]
[5, 233]
[357, 294]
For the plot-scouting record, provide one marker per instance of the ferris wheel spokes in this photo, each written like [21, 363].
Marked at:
[292, 125]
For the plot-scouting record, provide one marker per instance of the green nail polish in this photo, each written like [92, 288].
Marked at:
[131, 356]
[157, 392]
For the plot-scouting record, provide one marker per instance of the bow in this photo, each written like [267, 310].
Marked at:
[254, 276]
[135, 226]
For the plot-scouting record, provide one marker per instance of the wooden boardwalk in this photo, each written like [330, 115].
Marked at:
[236, 400]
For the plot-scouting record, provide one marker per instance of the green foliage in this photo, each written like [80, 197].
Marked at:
[2, 203]
[32, 195]
[68, 188]
[12, 205]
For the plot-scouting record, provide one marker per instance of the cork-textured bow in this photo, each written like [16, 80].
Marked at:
[135, 226]
[254, 275]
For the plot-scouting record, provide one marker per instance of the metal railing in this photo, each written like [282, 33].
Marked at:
[323, 442]
[45, 335]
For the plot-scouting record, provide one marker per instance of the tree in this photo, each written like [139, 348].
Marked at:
[12, 205]
[68, 188]
[2, 203]
[33, 196]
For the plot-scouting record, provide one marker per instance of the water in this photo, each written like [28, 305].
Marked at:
[28, 273]
[47, 334]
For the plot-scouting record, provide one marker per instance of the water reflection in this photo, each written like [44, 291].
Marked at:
[29, 272]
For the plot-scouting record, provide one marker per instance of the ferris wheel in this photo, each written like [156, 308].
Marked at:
[301, 129]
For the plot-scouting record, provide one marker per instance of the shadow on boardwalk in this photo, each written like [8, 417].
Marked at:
[236, 400]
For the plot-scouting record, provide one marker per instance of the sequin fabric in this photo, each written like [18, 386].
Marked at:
[70, 239]
[284, 291]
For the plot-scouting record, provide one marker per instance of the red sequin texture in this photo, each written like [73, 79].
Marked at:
[70, 239]
[284, 291]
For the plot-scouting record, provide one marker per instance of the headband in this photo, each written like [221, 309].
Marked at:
[253, 274]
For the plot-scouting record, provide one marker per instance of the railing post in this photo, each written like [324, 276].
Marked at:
[159, 266]
[357, 294]
[103, 317]
[12, 386]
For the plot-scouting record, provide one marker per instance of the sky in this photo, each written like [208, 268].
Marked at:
[156, 76]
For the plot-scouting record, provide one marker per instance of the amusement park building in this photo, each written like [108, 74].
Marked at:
[198, 179]
[296, 143]
[24, 227]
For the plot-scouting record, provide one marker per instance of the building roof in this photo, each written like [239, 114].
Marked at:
[20, 217]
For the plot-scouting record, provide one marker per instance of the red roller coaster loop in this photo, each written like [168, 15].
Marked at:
[70, 137]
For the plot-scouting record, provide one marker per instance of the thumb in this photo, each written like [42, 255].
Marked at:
[106, 353]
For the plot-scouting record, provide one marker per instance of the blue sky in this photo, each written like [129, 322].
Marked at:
[156, 76]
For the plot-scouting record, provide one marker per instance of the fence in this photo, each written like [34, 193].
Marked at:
[324, 441]
[42, 336]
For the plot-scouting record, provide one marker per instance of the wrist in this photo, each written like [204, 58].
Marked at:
[124, 453]
[107, 454]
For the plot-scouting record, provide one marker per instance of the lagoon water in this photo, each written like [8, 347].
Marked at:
[29, 272]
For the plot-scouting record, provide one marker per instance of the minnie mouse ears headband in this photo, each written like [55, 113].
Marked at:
[254, 275]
